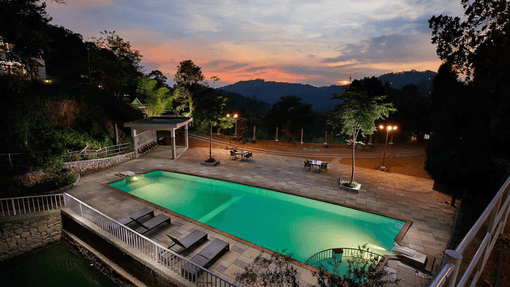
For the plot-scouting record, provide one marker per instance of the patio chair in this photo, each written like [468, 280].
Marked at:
[233, 154]
[324, 165]
[136, 215]
[190, 240]
[153, 222]
[248, 155]
[204, 258]
[308, 164]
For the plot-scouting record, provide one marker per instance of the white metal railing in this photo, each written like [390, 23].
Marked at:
[493, 219]
[11, 159]
[148, 247]
[86, 153]
[30, 204]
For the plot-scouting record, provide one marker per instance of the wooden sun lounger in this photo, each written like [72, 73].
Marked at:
[204, 258]
[190, 240]
[153, 222]
[136, 215]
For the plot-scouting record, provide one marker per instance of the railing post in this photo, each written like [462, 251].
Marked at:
[13, 206]
[455, 258]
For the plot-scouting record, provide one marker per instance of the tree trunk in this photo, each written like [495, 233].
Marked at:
[353, 150]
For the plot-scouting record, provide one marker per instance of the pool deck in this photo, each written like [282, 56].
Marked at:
[399, 196]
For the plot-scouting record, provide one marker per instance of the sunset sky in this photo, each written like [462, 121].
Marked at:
[317, 42]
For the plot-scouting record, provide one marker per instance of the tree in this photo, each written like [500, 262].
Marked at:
[210, 113]
[289, 114]
[114, 64]
[185, 102]
[215, 79]
[188, 74]
[159, 98]
[477, 113]
[158, 76]
[471, 44]
[358, 113]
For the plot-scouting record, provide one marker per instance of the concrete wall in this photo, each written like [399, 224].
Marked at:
[89, 166]
[23, 233]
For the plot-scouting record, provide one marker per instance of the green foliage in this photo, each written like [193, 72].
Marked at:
[185, 107]
[158, 97]
[258, 272]
[277, 270]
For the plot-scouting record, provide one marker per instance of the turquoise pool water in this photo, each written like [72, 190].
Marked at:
[274, 220]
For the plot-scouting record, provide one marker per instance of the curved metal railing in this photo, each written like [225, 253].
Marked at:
[346, 252]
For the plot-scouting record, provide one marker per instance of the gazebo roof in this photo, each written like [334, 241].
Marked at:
[159, 123]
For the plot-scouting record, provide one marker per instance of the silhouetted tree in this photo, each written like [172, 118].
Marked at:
[290, 114]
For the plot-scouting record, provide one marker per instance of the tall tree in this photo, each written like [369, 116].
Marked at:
[210, 112]
[188, 74]
[478, 46]
[470, 44]
[114, 64]
[358, 113]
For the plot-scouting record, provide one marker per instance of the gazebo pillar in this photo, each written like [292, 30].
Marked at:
[186, 142]
[174, 149]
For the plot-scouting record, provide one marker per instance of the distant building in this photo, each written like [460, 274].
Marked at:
[10, 67]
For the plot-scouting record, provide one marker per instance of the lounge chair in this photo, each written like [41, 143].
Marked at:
[248, 155]
[233, 154]
[411, 256]
[136, 215]
[324, 165]
[308, 164]
[190, 240]
[153, 222]
[204, 258]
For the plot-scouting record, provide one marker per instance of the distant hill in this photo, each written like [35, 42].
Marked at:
[271, 92]
[398, 80]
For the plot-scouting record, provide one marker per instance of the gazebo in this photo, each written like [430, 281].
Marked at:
[143, 131]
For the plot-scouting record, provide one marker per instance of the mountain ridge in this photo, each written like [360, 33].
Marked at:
[319, 97]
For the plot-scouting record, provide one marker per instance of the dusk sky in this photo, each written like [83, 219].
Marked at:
[317, 42]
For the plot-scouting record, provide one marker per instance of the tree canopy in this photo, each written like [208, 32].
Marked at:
[188, 74]
[290, 114]
[160, 99]
[470, 43]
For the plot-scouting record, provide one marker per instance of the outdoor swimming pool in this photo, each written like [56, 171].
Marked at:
[271, 219]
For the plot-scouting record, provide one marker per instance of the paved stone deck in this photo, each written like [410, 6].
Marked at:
[394, 195]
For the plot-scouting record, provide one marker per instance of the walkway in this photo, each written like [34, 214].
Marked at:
[390, 194]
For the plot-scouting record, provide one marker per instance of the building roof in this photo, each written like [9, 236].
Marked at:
[159, 123]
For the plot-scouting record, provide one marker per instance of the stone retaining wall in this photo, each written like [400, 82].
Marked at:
[23, 233]
[84, 167]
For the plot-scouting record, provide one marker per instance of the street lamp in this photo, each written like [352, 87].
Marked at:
[235, 130]
[388, 129]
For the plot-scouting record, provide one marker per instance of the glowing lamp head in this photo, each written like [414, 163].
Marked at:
[381, 127]
[235, 116]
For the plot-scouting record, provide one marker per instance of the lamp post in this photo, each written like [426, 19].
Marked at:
[388, 129]
[235, 117]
